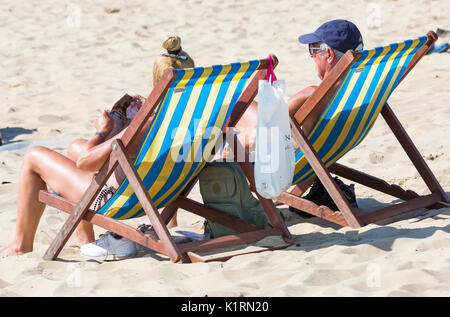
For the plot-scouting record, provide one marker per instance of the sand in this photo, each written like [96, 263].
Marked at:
[63, 62]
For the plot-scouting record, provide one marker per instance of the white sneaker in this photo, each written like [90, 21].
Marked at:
[108, 248]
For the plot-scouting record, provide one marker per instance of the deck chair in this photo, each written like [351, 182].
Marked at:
[190, 105]
[364, 82]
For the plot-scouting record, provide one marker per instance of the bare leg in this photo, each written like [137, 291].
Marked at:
[42, 167]
[173, 222]
[75, 149]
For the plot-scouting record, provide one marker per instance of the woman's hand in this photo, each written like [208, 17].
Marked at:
[104, 123]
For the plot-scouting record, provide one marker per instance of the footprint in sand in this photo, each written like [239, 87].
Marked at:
[53, 220]
[376, 157]
[50, 118]
[4, 284]
[323, 277]
[432, 157]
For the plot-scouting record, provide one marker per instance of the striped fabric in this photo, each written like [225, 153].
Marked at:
[352, 111]
[182, 134]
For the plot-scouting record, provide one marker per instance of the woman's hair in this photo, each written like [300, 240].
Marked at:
[175, 57]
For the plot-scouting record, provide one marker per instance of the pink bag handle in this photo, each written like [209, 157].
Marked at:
[270, 74]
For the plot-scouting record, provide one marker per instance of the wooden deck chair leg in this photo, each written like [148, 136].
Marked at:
[169, 211]
[300, 189]
[412, 152]
[324, 175]
[311, 208]
[105, 222]
[267, 204]
[297, 191]
[145, 200]
[397, 209]
[377, 184]
[214, 215]
[80, 210]
[372, 182]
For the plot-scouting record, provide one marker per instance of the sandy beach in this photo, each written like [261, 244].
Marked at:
[63, 62]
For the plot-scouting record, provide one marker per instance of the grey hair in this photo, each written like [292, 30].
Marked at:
[339, 54]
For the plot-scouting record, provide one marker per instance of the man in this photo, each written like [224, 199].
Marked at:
[326, 46]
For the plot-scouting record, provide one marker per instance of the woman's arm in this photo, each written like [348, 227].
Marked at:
[95, 156]
[96, 150]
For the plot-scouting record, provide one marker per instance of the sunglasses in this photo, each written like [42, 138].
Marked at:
[314, 49]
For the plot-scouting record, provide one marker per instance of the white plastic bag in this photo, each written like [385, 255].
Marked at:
[274, 153]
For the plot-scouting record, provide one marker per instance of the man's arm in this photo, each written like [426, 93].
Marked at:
[297, 100]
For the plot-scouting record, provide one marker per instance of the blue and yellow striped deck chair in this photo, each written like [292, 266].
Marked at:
[195, 106]
[364, 81]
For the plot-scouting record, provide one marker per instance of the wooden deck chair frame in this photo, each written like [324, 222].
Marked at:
[184, 252]
[345, 216]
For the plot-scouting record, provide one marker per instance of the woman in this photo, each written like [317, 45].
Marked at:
[43, 167]
[70, 175]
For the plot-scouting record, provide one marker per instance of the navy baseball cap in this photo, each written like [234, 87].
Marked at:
[341, 35]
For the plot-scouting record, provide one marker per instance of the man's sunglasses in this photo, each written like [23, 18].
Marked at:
[314, 49]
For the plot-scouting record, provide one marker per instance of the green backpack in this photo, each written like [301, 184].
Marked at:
[224, 187]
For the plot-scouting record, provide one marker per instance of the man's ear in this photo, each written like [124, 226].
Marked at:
[331, 56]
